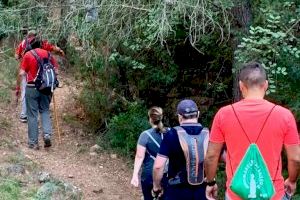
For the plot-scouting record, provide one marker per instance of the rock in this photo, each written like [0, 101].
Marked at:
[95, 148]
[59, 190]
[16, 169]
[44, 177]
[113, 156]
[99, 191]
[93, 153]
[70, 176]
[101, 167]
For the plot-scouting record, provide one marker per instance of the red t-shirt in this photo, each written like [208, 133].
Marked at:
[279, 130]
[22, 46]
[30, 65]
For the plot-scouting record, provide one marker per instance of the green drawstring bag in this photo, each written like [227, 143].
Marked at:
[252, 180]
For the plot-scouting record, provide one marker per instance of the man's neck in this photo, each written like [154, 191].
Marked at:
[189, 121]
[254, 94]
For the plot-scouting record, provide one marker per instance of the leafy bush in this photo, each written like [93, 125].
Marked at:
[125, 128]
[269, 41]
[95, 107]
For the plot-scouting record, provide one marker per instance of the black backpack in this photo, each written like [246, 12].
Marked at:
[45, 80]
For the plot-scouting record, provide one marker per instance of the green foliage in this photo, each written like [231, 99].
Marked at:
[9, 189]
[7, 76]
[273, 39]
[124, 129]
[94, 104]
[270, 42]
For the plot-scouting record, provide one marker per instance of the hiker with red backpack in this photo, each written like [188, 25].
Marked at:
[23, 47]
[147, 148]
[255, 132]
[41, 70]
[185, 147]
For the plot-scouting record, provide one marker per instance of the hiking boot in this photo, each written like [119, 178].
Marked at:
[47, 143]
[23, 119]
[34, 146]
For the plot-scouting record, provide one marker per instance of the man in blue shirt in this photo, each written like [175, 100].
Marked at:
[185, 147]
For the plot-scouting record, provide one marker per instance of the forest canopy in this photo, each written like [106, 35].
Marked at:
[131, 55]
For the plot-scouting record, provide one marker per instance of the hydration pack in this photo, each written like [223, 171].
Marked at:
[193, 149]
[45, 80]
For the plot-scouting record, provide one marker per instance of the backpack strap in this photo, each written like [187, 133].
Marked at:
[39, 61]
[152, 138]
[49, 56]
[27, 44]
[37, 57]
[262, 128]
[155, 142]
[249, 138]
[193, 149]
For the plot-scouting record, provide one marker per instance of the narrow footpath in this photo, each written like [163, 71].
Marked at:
[100, 176]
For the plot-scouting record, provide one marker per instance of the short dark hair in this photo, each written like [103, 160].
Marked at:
[193, 116]
[253, 74]
[34, 43]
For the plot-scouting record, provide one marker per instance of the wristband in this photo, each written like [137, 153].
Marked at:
[211, 183]
[18, 88]
[156, 194]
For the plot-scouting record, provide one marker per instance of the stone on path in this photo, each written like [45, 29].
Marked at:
[44, 177]
[56, 190]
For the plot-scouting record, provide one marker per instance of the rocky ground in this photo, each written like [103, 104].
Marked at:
[74, 168]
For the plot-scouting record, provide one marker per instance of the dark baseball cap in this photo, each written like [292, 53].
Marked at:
[187, 107]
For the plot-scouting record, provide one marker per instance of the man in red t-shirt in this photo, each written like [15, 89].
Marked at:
[279, 130]
[36, 101]
[19, 53]
[20, 50]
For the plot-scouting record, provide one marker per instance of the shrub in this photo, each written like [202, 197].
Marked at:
[124, 129]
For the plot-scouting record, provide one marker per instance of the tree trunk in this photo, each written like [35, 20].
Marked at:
[243, 17]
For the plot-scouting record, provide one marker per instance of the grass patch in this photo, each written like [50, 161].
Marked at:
[5, 124]
[8, 71]
[9, 189]
[29, 193]
[20, 159]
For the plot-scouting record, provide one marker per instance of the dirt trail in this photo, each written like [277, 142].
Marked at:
[100, 177]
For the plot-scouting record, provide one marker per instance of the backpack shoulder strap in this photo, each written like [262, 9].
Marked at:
[37, 57]
[262, 128]
[152, 138]
[155, 142]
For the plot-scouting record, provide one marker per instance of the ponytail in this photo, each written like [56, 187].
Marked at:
[160, 127]
[156, 115]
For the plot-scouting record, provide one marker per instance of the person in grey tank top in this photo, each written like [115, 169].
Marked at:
[147, 147]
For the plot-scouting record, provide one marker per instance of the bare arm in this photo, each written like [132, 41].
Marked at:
[212, 159]
[293, 157]
[19, 78]
[210, 166]
[158, 171]
[139, 158]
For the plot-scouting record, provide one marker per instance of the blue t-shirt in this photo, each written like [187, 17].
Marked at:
[151, 151]
[170, 148]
